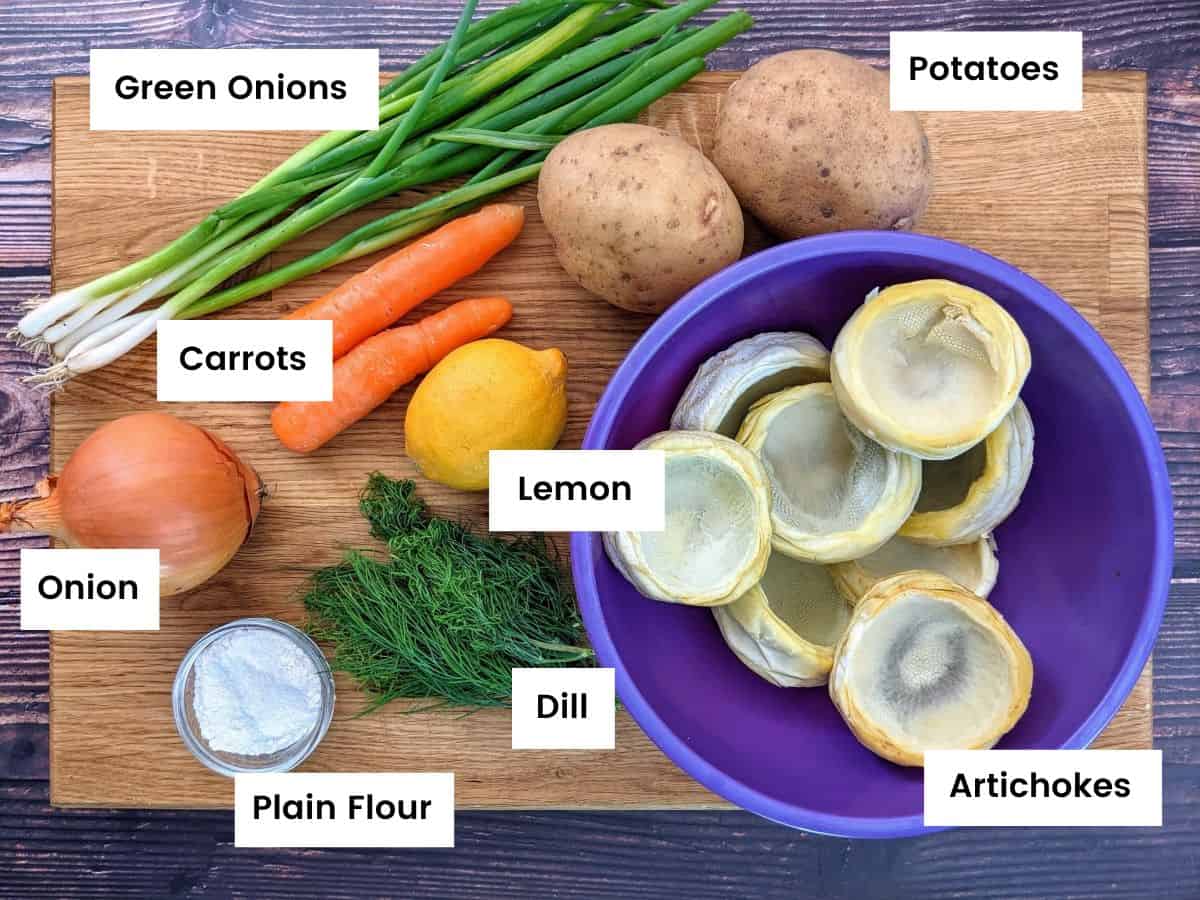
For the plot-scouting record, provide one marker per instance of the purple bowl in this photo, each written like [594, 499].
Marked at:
[1085, 559]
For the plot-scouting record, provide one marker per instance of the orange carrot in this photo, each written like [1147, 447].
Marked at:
[374, 299]
[381, 365]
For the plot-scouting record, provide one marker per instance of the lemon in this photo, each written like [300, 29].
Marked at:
[486, 395]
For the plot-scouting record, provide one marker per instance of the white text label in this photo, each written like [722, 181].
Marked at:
[986, 70]
[563, 709]
[577, 490]
[234, 90]
[359, 809]
[89, 590]
[245, 360]
[1043, 787]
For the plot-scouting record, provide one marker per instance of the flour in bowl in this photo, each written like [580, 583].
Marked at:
[255, 693]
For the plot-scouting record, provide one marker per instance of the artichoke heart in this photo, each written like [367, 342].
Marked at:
[726, 385]
[926, 665]
[835, 494]
[784, 628]
[929, 368]
[717, 537]
[972, 565]
[968, 496]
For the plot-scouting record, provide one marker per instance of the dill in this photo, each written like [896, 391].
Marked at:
[445, 614]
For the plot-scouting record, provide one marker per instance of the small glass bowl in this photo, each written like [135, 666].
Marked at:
[231, 764]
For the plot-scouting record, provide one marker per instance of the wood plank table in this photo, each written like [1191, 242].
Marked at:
[699, 854]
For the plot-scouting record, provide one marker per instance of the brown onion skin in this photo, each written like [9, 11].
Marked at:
[152, 480]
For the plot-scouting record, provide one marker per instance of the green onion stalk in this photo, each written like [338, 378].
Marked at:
[487, 106]
[114, 286]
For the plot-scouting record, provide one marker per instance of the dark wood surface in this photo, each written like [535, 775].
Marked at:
[64, 853]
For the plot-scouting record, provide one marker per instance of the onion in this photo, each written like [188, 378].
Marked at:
[149, 480]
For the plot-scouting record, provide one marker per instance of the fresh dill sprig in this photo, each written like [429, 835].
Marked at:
[445, 614]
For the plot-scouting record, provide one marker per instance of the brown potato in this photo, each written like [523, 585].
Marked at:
[808, 143]
[637, 215]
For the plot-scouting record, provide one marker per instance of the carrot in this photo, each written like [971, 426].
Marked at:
[379, 296]
[381, 365]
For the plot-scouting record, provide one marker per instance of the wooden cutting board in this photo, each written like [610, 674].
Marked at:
[1061, 195]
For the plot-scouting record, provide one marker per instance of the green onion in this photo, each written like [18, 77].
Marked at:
[409, 122]
[460, 95]
[489, 24]
[489, 104]
[403, 223]
[561, 69]
[509, 140]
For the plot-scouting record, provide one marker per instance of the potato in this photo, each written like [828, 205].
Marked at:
[808, 143]
[637, 215]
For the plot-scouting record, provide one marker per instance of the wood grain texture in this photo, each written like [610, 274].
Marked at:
[1062, 196]
[39, 33]
[705, 855]
[1177, 417]
[94, 853]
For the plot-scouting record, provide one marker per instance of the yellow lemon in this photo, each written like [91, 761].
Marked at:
[486, 395]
